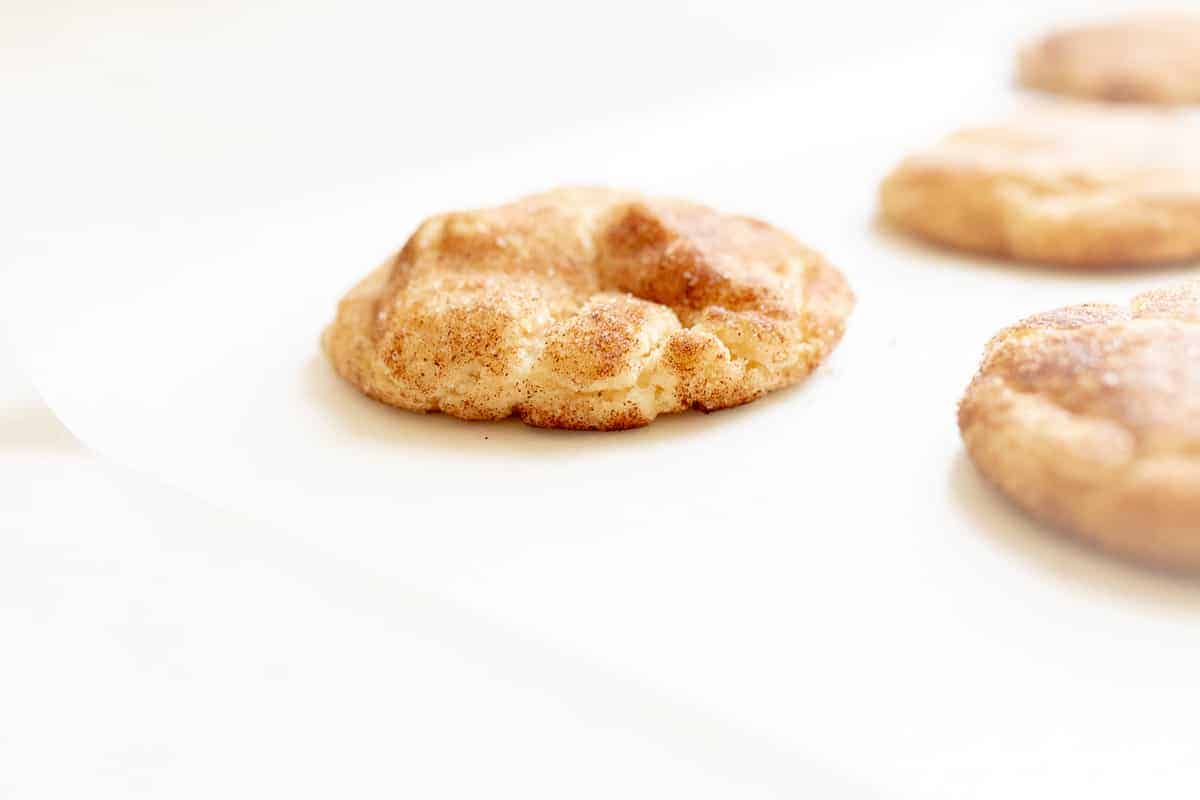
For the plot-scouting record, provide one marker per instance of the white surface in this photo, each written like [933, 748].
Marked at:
[156, 647]
[820, 572]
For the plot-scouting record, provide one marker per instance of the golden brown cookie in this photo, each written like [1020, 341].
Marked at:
[1089, 418]
[588, 308]
[1069, 185]
[1142, 58]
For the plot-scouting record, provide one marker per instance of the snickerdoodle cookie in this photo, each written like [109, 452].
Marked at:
[588, 308]
[1141, 58]
[1089, 418]
[1065, 185]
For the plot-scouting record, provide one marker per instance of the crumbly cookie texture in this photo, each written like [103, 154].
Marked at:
[588, 308]
[1068, 185]
[1088, 417]
[1140, 58]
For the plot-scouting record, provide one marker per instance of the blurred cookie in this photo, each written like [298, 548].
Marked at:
[588, 308]
[1088, 417]
[1142, 58]
[1066, 185]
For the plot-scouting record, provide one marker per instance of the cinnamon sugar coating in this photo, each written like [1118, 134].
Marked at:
[588, 309]
[1089, 417]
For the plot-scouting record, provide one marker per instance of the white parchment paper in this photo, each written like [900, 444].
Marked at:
[823, 565]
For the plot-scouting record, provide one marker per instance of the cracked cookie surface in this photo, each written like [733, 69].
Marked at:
[1066, 185]
[588, 308]
[1088, 417]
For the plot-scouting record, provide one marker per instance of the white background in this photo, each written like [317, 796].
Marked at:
[235, 576]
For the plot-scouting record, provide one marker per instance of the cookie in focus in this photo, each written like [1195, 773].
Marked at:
[588, 308]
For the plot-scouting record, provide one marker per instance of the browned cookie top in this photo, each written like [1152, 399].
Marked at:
[588, 308]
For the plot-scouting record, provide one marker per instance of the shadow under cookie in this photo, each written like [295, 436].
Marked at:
[1063, 555]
